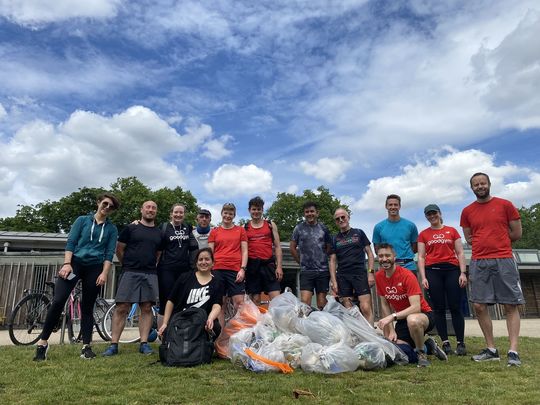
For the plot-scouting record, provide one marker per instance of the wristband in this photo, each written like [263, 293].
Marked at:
[371, 271]
[67, 263]
[395, 316]
[242, 267]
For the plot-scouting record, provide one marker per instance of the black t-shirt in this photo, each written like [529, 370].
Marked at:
[349, 250]
[178, 241]
[142, 244]
[188, 292]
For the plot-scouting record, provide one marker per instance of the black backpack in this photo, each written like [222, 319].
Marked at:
[186, 342]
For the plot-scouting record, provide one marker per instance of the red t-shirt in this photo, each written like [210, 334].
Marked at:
[398, 288]
[440, 245]
[489, 227]
[227, 250]
[259, 241]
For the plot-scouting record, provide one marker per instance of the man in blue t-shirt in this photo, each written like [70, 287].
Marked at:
[399, 232]
[349, 249]
[310, 246]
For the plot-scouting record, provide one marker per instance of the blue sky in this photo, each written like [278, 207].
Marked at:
[230, 99]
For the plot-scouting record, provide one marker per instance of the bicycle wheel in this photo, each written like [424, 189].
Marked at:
[74, 325]
[131, 330]
[27, 319]
[100, 309]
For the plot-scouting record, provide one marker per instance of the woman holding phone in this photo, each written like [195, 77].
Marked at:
[88, 257]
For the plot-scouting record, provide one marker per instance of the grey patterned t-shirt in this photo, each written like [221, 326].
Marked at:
[311, 241]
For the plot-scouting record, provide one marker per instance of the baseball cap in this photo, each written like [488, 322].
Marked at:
[431, 207]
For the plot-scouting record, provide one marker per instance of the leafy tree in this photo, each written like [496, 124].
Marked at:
[530, 221]
[287, 211]
[57, 216]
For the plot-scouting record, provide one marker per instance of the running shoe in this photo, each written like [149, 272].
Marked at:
[433, 348]
[422, 359]
[447, 348]
[486, 355]
[461, 350]
[112, 350]
[145, 348]
[513, 359]
[41, 352]
[87, 353]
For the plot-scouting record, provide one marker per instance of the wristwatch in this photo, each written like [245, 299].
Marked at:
[371, 271]
[395, 316]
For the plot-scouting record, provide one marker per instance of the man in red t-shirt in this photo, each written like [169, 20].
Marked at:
[490, 225]
[264, 272]
[402, 301]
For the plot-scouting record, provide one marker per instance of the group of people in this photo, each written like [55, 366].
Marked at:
[181, 267]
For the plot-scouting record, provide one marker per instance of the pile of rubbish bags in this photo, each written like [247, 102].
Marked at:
[290, 334]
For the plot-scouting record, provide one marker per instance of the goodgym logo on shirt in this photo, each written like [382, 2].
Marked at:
[391, 294]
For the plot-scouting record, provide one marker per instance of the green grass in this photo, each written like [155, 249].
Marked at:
[131, 378]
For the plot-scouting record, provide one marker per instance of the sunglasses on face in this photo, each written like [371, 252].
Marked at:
[341, 218]
[106, 204]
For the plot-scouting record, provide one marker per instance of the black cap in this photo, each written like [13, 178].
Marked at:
[205, 212]
[431, 207]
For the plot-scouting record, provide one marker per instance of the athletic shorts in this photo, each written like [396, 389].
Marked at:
[402, 330]
[495, 281]
[352, 285]
[228, 281]
[137, 287]
[261, 276]
[315, 280]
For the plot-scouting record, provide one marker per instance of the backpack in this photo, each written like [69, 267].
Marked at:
[186, 342]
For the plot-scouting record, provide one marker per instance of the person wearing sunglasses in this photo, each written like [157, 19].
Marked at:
[88, 257]
[349, 249]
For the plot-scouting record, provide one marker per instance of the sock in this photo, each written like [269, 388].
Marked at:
[512, 351]
[492, 350]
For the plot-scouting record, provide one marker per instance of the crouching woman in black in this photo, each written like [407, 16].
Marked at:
[197, 289]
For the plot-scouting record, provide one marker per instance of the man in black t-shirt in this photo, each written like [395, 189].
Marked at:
[350, 246]
[138, 248]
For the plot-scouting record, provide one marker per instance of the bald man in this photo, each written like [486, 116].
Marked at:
[139, 246]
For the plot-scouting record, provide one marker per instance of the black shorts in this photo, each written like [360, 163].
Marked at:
[228, 281]
[261, 276]
[315, 280]
[402, 330]
[353, 285]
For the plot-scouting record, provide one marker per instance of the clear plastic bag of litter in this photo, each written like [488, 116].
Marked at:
[371, 355]
[263, 357]
[323, 328]
[238, 342]
[338, 358]
[291, 345]
[361, 331]
[285, 309]
[265, 329]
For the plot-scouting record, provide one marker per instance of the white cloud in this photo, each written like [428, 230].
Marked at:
[443, 177]
[292, 189]
[44, 161]
[34, 13]
[232, 180]
[3, 112]
[217, 148]
[327, 169]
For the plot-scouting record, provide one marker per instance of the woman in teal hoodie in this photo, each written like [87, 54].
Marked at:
[88, 257]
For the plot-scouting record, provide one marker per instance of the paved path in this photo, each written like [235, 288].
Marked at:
[529, 327]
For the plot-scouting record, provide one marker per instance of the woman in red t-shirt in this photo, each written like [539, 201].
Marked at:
[441, 263]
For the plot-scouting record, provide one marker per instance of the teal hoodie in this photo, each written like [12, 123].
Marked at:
[92, 243]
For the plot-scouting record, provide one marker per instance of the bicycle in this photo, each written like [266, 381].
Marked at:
[31, 311]
[130, 333]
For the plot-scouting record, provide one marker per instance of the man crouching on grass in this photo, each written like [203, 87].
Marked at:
[402, 301]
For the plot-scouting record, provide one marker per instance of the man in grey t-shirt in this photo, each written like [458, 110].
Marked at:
[310, 246]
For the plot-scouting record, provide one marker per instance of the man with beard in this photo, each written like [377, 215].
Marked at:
[490, 225]
[402, 301]
[139, 246]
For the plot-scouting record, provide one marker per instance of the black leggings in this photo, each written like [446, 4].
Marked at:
[166, 281]
[62, 289]
[444, 288]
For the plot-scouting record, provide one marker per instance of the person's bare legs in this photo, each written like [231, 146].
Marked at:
[364, 302]
[484, 320]
[146, 320]
[417, 324]
[321, 300]
[119, 320]
[306, 296]
[513, 323]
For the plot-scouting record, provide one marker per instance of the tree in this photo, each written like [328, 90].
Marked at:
[57, 216]
[287, 211]
[530, 222]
